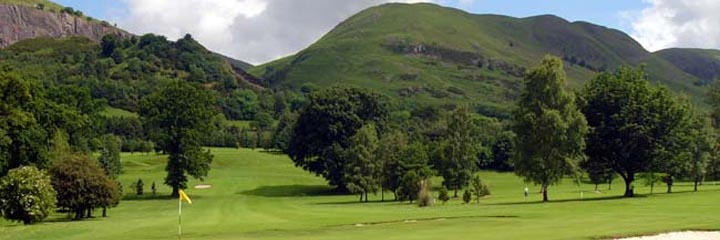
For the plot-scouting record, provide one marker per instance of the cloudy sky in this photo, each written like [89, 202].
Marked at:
[259, 31]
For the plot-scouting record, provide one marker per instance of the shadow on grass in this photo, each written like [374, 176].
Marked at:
[608, 198]
[292, 191]
[148, 197]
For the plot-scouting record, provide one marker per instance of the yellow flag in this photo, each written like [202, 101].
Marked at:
[185, 197]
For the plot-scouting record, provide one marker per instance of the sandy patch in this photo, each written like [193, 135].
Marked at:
[689, 235]
[203, 186]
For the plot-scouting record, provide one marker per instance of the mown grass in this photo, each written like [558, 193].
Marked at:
[258, 195]
[117, 112]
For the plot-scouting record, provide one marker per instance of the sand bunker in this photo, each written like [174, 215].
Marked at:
[203, 186]
[689, 235]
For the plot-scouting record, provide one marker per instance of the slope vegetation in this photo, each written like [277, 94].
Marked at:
[438, 55]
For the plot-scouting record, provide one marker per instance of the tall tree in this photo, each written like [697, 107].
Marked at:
[390, 151]
[703, 142]
[550, 129]
[458, 162]
[110, 155]
[630, 121]
[177, 117]
[325, 125]
[363, 168]
[413, 170]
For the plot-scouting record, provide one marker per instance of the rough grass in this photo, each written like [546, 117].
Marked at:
[258, 195]
[117, 112]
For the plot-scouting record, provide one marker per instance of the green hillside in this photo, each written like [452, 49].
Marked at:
[439, 55]
[33, 3]
[701, 63]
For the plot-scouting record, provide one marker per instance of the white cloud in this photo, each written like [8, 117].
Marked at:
[256, 31]
[677, 23]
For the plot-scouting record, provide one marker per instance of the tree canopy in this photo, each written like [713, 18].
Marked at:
[550, 129]
[177, 117]
[325, 125]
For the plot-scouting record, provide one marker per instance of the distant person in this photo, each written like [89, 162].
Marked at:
[526, 192]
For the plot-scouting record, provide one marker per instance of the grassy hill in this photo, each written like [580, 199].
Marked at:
[439, 55]
[32, 3]
[701, 63]
[257, 195]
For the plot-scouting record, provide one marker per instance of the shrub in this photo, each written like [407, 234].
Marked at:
[139, 187]
[444, 195]
[425, 199]
[26, 195]
[82, 185]
[479, 189]
[467, 196]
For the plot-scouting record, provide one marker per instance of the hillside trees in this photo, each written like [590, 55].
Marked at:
[26, 195]
[550, 129]
[325, 125]
[177, 117]
[631, 121]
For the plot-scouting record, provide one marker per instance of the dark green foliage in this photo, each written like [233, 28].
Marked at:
[140, 187]
[110, 155]
[363, 169]
[325, 125]
[26, 195]
[413, 168]
[390, 152]
[177, 117]
[82, 186]
[598, 172]
[457, 162]
[121, 70]
[444, 195]
[550, 129]
[478, 188]
[240, 104]
[635, 127]
[283, 132]
[32, 114]
[467, 196]
[502, 150]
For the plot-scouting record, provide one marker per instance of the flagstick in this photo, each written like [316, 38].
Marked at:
[179, 218]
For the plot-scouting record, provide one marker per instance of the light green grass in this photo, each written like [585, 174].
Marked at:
[239, 123]
[117, 112]
[258, 195]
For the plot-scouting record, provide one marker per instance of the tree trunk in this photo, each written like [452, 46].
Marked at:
[544, 192]
[175, 191]
[361, 195]
[366, 200]
[382, 194]
[104, 212]
[696, 184]
[629, 191]
[669, 182]
[596, 185]
[609, 184]
[455, 195]
[89, 213]
[652, 186]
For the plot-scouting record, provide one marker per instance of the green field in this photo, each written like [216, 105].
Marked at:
[257, 195]
[117, 112]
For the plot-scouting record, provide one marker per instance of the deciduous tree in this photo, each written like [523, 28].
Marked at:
[550, 129]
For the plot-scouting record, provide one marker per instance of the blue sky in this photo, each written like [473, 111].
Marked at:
[263, 30]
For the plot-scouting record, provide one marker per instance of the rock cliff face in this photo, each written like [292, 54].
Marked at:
[18, 23]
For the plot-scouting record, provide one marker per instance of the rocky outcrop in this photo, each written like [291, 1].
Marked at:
[18, 23]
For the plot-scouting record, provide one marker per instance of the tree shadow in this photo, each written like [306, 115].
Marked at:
[295, 190]
[608, 198]
[134, 197]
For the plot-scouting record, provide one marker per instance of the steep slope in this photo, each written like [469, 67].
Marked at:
[701, 63]
[19, 22]
[438, 55]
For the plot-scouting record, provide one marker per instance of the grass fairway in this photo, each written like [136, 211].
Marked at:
[257, 195]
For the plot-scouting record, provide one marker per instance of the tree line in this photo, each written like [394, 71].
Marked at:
[618, 124]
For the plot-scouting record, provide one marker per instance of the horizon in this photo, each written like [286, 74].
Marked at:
[261, 31]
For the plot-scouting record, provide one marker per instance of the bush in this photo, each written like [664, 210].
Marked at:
[82, 185]
[467, 196]
[479, 189]
[26, 195]
[139, 187]
[444, 195]
[425, 199]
